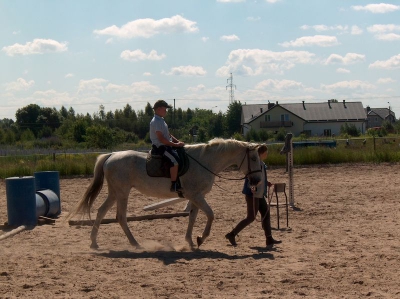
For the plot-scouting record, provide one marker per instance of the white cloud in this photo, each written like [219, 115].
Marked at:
[37, 46]
[377, 8]
[280, 85]
[272, 1]
[187, 70]
[149, 27]
[229, 38]
[385, 80]
[346, 85]
[390, 64]
[252, 62]
[51, 97]
[316, 40]
[355, 30]
[231, 1]
[20, 84]
[147, 74]
[385, 31]
[388, 36]
[135, 88]
[70, 75]
[95, 85]
[200, 87]
[321, 28]
[342, 71]
[253, 19]
[16, 32]
[205, 39]
[138, 54]
[349, 58]
[383, 28]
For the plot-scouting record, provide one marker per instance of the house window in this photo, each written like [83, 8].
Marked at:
[327, 132]
[284, 117]
[267, 117]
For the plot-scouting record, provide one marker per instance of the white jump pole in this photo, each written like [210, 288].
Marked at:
[164, 203]
[13, 232]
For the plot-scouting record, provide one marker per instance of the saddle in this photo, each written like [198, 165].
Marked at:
[159, 165]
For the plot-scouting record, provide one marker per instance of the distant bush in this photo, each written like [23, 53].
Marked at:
[349, 130]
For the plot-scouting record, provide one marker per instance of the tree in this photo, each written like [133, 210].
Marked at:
[27, 116]
[49, 117]
[64, 112]
[79, 130]
[233, 116]
[99, 137]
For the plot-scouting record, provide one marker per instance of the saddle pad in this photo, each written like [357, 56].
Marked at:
[158, 166]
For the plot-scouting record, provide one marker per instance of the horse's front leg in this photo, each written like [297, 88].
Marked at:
[193, 211]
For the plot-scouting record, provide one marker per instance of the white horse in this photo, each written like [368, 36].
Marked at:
[127, 169]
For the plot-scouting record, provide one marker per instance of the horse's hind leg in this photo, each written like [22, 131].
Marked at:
[122, 205]
[192, 218]
[107, 204]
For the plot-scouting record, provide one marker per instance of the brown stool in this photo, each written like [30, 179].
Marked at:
[280, 188]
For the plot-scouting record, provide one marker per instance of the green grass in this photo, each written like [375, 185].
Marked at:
[357, 152]
[384, 150]
[66, 164]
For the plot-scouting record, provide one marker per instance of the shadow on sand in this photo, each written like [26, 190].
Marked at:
[171, 257]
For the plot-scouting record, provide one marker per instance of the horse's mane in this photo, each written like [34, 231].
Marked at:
[221, 144]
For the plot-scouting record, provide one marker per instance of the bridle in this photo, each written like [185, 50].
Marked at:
[248, 162]
[249, 171]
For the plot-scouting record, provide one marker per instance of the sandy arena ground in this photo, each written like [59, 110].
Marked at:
[343, 242]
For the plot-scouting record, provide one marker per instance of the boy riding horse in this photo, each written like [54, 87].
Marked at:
[163, 142]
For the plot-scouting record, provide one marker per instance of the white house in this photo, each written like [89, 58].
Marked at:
[313, 119]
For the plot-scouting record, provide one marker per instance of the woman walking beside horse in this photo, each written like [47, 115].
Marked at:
[255, 201]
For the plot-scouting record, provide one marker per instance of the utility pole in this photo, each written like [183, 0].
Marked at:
[231, 92]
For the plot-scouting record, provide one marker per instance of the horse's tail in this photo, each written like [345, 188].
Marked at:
[93, 190]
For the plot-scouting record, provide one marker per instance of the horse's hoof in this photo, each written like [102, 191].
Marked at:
[94, 246]
[199, 241]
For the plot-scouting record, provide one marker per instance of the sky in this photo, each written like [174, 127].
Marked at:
[197, 53]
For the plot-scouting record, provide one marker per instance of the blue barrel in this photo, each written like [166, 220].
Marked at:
[48, 180]
[41, 207]
[47, 203]
[21, 201]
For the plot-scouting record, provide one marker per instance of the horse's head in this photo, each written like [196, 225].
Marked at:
[251, 165]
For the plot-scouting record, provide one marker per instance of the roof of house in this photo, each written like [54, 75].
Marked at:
[338, 111]
[252, 111]
[327, 111]
[381, 112]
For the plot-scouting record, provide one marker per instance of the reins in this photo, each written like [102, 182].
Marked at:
[226, 178]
